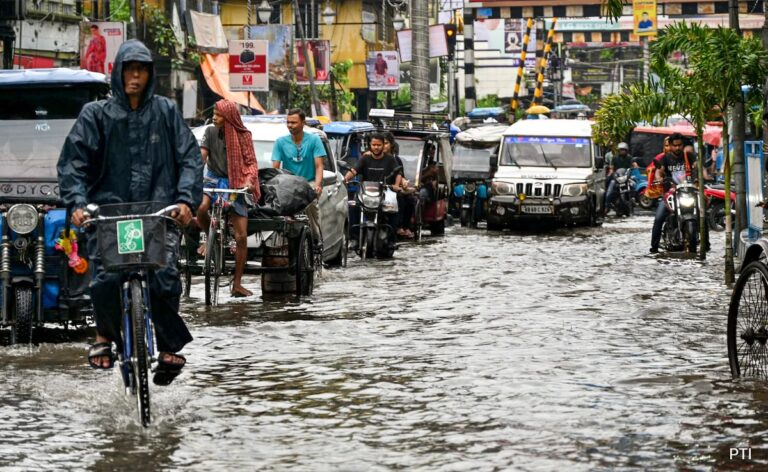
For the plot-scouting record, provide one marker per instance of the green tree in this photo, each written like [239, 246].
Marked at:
[343, 99]
[720, 62]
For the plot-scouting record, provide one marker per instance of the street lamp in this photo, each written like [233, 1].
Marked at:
[398, 21]
[264, 11]
[329, 16]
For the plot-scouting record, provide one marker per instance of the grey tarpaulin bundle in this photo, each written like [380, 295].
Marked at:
[283, 193]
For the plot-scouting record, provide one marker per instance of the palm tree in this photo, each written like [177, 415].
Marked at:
[720, 62]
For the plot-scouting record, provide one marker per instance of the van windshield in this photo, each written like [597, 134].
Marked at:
[546, 151]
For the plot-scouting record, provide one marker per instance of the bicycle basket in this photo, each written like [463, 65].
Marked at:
[133, 239]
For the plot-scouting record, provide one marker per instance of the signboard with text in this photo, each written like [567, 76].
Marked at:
[644, 17]
[248, 70]
[438, 45]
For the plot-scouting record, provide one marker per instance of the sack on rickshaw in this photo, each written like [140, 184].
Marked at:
[284, 194]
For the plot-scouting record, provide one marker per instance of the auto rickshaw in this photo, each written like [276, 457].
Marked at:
[424, 146]
[472, 154]
[44, 271]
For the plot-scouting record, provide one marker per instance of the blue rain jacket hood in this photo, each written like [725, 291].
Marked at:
[114, 154]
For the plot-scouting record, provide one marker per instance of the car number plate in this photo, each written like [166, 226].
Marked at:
[537, 209]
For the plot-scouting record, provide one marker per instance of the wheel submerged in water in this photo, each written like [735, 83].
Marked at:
[23, 312]
[747, 333]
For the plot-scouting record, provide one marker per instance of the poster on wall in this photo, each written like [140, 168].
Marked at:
[319, 54]
[279, 52]
[99, 42]
[437, 43]
[383, 70]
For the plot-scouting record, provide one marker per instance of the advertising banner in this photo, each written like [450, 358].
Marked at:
[383, 70]
[437, 43]
[319, 54]
[279, 52]
[99, 42]
[514, 31]
[644, 17]
[248, 70]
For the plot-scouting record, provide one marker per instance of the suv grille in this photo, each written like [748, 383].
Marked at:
[538, 190]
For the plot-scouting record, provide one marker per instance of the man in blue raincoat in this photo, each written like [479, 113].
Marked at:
[134, 147]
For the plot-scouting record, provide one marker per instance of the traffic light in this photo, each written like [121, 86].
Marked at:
[450, 39]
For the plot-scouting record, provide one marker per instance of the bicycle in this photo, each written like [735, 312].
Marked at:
[133, 245]
[219, 237]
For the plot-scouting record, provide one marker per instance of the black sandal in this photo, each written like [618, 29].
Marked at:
[100, 350]
[165, 371]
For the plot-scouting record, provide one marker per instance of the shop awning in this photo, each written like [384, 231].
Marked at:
[215, 69]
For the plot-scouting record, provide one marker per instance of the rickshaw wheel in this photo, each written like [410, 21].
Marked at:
[747, 334]
[189, 251]
[305, 265]
[21, 332]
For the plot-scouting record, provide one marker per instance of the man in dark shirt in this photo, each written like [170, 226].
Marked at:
[670, 169]
[375, 166]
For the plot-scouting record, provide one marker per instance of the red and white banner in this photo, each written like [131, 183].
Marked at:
[248, 69]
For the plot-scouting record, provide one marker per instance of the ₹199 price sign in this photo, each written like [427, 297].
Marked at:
[248, 69]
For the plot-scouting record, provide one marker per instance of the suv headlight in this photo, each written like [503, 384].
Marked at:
[22, 218]
[502, 188]
[575, 190]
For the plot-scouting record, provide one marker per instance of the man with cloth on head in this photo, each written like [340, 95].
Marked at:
[230, 162]
[133, 147]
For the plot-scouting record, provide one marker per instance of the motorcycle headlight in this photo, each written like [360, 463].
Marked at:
[502, 188]
[370, 201]
[575, 190]
[22, 218]
[622, 179]
[687, 201]
[469, 187]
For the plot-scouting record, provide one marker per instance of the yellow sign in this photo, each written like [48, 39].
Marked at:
[644, 16]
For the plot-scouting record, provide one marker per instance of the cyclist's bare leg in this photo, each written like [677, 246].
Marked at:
[203, 220]
[240, 227]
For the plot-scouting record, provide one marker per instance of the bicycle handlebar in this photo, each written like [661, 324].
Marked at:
[165, 212]
[244, 190]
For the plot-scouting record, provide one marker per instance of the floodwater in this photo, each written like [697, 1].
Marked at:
[569, 350]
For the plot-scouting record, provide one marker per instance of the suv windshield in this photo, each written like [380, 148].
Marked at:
[34, 121]
[545, 151]
[472, 159]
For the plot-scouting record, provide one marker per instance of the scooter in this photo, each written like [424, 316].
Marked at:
[715, 195]
[641, 186]
[680, 229]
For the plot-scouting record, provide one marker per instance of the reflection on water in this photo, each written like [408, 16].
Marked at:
[479, 351]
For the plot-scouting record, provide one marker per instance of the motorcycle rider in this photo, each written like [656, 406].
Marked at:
[375, 166]
[622, 160]
[671, 165]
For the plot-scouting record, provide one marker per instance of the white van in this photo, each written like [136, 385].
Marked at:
[548, 170]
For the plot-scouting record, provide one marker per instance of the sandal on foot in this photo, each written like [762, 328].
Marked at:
[241, 293]
[98, 350]
[166, 371]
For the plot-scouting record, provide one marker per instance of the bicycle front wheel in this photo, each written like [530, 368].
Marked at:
[747, 319]
[212, 265]
[140, 362]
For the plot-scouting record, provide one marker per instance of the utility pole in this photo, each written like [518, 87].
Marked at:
[469, 59]
[420, 61]
[737, 118]
[310, 71]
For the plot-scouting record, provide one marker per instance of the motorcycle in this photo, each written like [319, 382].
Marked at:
[624, 203]
[472, 197]
[715, 195]
[375, 238]
[680, 229]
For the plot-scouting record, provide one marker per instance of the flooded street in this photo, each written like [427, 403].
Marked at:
[570, 350]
